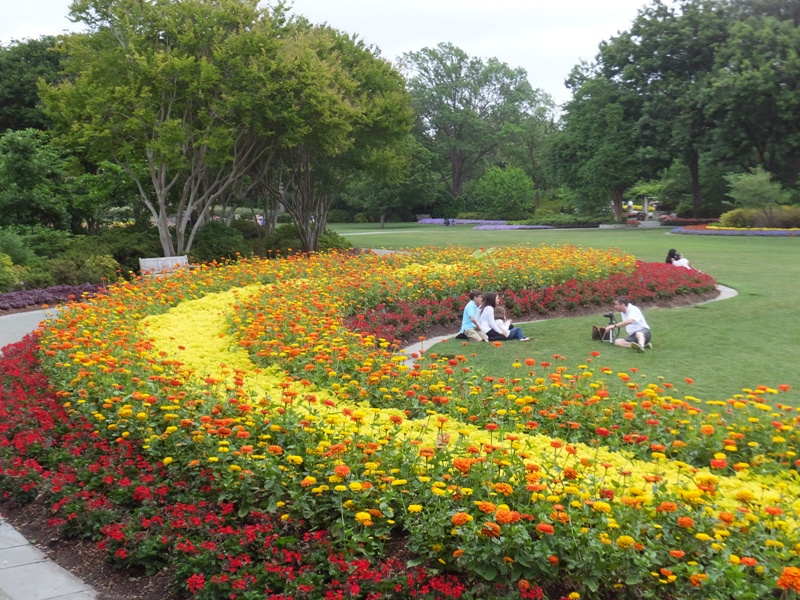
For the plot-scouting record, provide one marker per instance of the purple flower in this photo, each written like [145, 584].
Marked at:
[499, 226]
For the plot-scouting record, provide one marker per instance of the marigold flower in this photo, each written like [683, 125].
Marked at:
[490, 529]
[414, 508]
[461, 518]
[463, 464]
[679, 554]
[503, 488]
[553, 559]
[505, 516]
[685, 522]
[667, 507]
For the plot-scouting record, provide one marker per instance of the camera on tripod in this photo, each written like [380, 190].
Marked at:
[600, 333]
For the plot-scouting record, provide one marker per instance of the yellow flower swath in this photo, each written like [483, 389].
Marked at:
[249, 371]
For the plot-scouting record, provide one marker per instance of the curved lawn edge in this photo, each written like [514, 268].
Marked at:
[725, 293]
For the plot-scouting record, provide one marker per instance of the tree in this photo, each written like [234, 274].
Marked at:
[666, 59]
[505, 193]
[757, 190]
[754, 97]
[596, 151]
[164, 90]
[354, 110]
[22, 64]
[404, 183]
[465, 107]
[33, 180]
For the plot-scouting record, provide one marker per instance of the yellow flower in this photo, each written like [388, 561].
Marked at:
[168, 460]
[414, 508]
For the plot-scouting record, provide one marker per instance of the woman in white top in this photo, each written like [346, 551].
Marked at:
[497, 330]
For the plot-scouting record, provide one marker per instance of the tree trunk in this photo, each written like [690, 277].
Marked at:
[693, 163]
[616, 202]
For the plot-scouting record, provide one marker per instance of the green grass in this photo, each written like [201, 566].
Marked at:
[724, 346]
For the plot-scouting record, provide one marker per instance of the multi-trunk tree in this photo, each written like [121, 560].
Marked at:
[191, 98]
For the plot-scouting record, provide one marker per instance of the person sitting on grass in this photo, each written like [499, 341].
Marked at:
[635, 326]
[470, 330]
[488, 322]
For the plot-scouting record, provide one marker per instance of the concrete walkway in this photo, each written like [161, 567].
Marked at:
[25, 572]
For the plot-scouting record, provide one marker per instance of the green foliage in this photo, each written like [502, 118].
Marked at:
[340, 215]
[99, 268]
[217, 241]
[125, 244]
[784, 217]
[756, 189]
[45, 241]
[14, 247]
[285, 240]
[249, 229]
[504, 193]
[33, 176]
[22, 65]
[9, 274]
[567, 221]
[466, 107]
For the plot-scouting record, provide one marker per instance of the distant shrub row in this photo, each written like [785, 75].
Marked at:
[40, 257]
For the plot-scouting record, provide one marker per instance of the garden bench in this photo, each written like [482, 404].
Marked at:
[163, 265]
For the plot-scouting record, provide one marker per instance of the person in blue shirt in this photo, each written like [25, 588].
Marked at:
[470, 330]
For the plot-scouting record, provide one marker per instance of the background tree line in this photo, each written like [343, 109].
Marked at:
[183, 115]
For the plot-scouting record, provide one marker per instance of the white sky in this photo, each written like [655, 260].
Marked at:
[545, 37]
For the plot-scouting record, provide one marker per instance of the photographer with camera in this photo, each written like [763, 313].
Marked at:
[636, 327]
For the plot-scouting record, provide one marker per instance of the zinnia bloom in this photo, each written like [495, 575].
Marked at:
[545, 528]
[461, 518]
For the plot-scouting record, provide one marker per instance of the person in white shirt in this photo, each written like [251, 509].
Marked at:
[635, 326]
[488, 322]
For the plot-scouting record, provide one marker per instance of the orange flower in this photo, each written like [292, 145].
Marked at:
[490, 529]
[497, 344]
[667, 507]
[505, 517]
[460, 518]
[727, 517]
[685, 522]
[486, 507]
[463, 464]
[545, 528]
[342, 470]
[679, 554]
[707, 429]
[503, 488]
[749, 562]
[458, 553]
[552, 559]
[789, 579]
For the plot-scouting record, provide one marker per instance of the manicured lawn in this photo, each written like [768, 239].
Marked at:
[726, 346]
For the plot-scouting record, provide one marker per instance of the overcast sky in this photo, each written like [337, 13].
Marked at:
[545, 37]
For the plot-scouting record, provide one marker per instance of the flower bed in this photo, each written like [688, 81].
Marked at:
[226, 422]
[712, 230]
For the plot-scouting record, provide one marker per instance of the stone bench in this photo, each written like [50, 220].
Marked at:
[163, 265]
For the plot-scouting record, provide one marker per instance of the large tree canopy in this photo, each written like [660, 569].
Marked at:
[192, 97]
[22, 64]
[466, 106]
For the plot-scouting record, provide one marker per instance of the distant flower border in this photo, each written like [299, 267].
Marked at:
[485, 227]
[706, 230]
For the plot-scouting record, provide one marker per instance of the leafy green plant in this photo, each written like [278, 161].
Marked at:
[756, 189]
